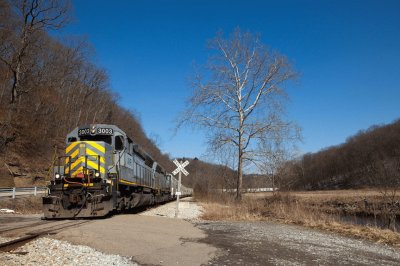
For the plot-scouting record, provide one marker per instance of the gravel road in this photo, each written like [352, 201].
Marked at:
[266, 243]
[149, 240]
[154, 238]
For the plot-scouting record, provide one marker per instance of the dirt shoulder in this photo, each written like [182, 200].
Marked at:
[150, 240]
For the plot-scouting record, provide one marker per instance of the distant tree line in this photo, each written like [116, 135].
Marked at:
[210, 179]
[49, 86]
[371, 158]
[204, 177]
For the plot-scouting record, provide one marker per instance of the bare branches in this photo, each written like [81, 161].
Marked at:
[40, 14]
[239, 101]
[30, 19]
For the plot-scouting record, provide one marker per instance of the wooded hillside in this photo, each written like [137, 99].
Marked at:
[49, 86]
[371, 158]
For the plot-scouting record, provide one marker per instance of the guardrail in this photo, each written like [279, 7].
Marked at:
[20, 191]
[251, 190]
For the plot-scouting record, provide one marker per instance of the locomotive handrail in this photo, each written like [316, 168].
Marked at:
[93, 158]
[69, 164]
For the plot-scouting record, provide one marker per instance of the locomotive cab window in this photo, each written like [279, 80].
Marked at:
[119, 143]
[106, 139]
[71, 139]
[130, 146]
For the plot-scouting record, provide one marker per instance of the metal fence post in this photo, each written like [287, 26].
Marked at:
[34, 193]
[13, 193]
[178, 194]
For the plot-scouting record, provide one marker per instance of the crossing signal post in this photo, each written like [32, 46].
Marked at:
[179, 170]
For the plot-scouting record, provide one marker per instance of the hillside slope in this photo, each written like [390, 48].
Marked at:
[370, 158]
[47, 88]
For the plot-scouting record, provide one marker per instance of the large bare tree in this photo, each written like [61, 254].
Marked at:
[238, 98]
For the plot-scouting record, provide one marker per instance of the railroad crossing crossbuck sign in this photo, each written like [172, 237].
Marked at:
[180, 167]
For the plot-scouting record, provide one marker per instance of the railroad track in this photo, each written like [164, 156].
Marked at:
[35, 233]
[29, 226]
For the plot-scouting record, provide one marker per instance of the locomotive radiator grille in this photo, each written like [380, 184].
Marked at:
[85, 154]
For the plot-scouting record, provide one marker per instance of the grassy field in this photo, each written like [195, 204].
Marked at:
[317, 209]
[324, 195]
[349, 202]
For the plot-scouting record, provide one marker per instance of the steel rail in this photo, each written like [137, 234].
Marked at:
[15, 243]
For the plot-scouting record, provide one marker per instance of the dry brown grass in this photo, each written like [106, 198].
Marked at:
[231, 210]
[24, 205]
[294, 209]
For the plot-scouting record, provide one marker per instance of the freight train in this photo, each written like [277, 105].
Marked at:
[103, 170]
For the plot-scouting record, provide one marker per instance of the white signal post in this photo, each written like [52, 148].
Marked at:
[180, 169]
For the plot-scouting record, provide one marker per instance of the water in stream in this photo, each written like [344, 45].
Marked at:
[371, 221]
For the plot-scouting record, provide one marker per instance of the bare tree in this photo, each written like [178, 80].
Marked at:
[34, 17]
[239, 100]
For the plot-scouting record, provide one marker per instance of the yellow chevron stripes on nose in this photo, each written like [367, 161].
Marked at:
[79, 170]
[78, 161]
[93, 150]
[73, 155]
[71, 146]
[94, 165]
[96, 145]
[94, 155]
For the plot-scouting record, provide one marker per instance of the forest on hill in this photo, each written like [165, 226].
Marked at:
[48, 86]
[371, 158]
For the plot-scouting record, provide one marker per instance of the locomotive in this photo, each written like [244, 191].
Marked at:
[102, 171]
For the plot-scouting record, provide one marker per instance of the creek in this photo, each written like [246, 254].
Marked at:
[369, 220]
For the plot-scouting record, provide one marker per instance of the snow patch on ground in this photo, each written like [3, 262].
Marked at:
[6, 211]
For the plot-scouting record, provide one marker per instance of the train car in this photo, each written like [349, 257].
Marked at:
[104, 170]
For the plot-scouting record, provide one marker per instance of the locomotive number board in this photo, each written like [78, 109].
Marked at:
[95, 131]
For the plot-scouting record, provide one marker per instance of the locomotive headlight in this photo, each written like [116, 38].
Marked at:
[57, 176]
[97, 174]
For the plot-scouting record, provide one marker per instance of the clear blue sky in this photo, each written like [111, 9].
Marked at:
[347, 52]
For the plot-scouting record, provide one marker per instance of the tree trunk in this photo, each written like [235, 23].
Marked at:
[240, 165]
[240, 176]
[14, 91]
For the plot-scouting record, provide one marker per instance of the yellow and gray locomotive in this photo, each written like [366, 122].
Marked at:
[104, 170]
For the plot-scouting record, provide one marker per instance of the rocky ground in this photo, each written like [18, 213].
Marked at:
[46, 251]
